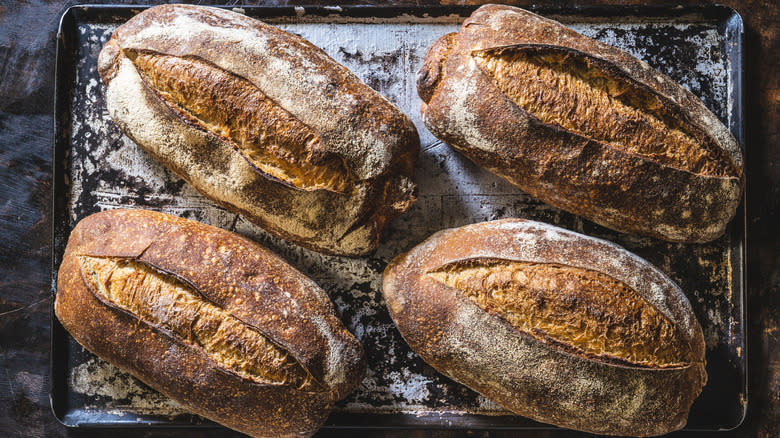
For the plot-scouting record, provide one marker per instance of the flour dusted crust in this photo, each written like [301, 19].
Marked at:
[468, 103]
[354, 126]
[528, 372]
[249, 288]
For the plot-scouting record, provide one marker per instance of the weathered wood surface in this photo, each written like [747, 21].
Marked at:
[27, 43]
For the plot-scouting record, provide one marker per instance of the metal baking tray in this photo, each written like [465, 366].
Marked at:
[97, 168]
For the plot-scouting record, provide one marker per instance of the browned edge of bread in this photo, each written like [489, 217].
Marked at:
[208, 318]
[263, 123]
[553, 325]
[641, 155]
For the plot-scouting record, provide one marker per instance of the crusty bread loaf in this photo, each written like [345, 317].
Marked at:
[582, 126]
[553, 325]
[208, 318]
[263, 123]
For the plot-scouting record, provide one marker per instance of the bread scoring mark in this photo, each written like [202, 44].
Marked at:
[581, 94]
[582, 310]
[292, 72]
[270, 138]
[167, 303]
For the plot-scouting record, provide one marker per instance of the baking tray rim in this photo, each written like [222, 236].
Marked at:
[723, 14]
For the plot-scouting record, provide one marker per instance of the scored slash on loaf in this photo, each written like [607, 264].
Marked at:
[553, 325]
[198, 114]
[582, 126]
[263, 123]
[209, 318]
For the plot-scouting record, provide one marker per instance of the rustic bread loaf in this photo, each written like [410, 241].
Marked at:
[582, 126]
[263, 123]
[208, 318]
[553, 325]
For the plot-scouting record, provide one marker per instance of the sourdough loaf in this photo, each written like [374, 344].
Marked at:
[582, 126]
[263, 123]
[210, 319]
[553, 325]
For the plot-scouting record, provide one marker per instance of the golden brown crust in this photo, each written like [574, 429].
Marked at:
[263, 123]
[583, 126]
[272, 140]
[589, 312]
[182, 312]
[252, 291]
[431, 71]
[536, 372]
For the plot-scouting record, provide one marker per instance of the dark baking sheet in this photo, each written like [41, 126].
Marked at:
[97, 168]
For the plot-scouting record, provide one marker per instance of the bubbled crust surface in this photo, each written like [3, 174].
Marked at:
[531, 376]
[240, 277]
[377, 144]
[611, 186]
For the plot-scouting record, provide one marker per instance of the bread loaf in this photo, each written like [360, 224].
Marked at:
[210, 319]
[553, 325]
[263, 123]
[582, 126]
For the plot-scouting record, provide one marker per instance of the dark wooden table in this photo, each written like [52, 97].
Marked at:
[27, 45]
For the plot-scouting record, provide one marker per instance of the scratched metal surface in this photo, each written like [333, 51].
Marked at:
[97, 168]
